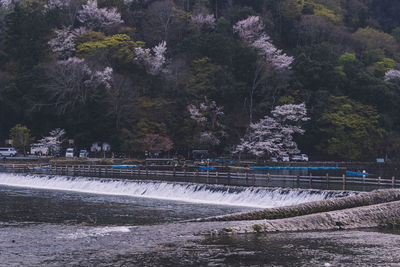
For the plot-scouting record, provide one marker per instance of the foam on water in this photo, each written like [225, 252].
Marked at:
[195, 193]
[94, 232]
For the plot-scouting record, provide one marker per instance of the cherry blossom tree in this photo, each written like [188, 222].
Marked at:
[96, 18]
[274, 135]
[6, 3]
[392, 75]
[52, 4]
[251, 31]
[154, 58]
[155, 143]
[54, 140]
[72, 83]
[201, 20]
[64, 41]
[208, 115]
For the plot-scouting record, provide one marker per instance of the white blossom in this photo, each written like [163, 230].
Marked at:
[210, 138]
[52, 4]
[103, 77]
[392, 74]
[153, 59]
[290, 112]
[195, 114]
[262, 137]
[274, 135]
[72, 83]
[251, 31]
[6, 3]
[208, 115]
[203, 20]
[64, 42]
[54, 140]
[98, 18]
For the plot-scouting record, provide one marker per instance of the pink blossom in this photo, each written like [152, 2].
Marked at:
[251, 31]
[274, 135]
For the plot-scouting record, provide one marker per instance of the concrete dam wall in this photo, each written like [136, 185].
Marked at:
[365, 199]
[378, 208]
[360, 217]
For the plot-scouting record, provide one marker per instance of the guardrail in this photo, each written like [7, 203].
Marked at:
[223, 176]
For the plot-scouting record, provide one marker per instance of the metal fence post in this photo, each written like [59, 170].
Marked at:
[344, 181]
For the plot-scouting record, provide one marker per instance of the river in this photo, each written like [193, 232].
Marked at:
[64, 221]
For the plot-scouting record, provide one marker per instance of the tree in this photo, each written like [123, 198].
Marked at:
[392, 75]
[21, 137]
[157, 143]
[351, 130]
[120, 98]
[251, 31]
[64, 42]
[204, 80]
[208, 115]
[65, 12]
[376, 44]
[54, 140]
[159, 18]
[96, 18]
[273, 136]
[201, 20]
[153, 59]
[71, 83]
[117, 49]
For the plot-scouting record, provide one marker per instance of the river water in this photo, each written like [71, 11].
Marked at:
[64, 221]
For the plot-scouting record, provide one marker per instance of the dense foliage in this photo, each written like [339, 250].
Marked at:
[178, 75]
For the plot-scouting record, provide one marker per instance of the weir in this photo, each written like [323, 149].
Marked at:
[323, 178]
[197, 193]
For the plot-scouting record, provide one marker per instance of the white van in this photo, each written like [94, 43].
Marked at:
[39, 149]
[7, 152]
[285, 157]
[69, 153]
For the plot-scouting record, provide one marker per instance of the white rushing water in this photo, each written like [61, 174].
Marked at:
[195, 193]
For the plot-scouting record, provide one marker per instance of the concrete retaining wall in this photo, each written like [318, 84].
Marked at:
[359, 217]
[372, 198]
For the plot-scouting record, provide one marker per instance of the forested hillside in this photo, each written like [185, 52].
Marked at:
[206, 74]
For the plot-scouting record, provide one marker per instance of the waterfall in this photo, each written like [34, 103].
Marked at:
[188, 192]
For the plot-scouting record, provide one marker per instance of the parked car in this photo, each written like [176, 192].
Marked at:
[83, 153]
[69, 153]
[304, 157]
[285, 157]
[297, 158]
[39, 149]
[8, 152]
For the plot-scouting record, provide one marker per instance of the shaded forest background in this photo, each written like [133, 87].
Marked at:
[342, 50]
